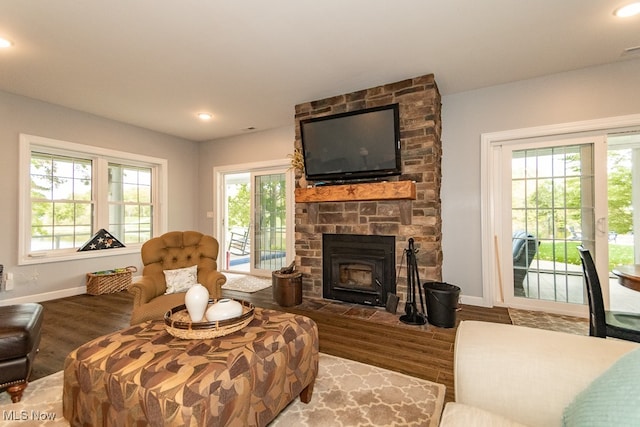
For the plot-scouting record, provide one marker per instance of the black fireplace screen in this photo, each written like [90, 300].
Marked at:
[358, 268]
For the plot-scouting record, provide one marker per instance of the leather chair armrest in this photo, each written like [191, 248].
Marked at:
[144, 290]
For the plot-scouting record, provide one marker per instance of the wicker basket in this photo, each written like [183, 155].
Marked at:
[109, 282]
[179, 324]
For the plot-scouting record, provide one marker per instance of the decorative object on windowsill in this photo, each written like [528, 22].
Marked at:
[101, 240]
[179, 324]
[196, 300]
[223, 309]
[109, 281]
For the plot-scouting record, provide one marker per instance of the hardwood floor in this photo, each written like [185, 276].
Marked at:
[366, 334]
[70, 322]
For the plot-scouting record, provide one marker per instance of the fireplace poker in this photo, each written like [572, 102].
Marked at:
[413, 316]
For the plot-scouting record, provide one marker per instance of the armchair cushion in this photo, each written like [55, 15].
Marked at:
[180, 279]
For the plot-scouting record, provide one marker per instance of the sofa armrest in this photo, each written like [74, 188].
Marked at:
[524, 374]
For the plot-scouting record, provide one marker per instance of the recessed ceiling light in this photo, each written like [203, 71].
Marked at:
[205, 116]
[5, 43]
[631, 9]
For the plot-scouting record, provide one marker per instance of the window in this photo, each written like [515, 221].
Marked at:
[61, 201]
[130, 203]
[70, 191]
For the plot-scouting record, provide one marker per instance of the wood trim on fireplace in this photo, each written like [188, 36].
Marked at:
[394, 190]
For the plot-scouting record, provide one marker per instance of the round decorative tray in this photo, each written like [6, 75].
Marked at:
[179, 324]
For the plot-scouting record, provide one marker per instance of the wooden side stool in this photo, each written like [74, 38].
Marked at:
[20, 330]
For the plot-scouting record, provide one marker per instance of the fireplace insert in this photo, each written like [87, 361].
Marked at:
[358, 268]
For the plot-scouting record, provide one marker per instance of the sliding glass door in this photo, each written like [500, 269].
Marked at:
[236, 221]
[255, 218]
[269, 221]
[624, 213]
[548, 189]
[553, 199]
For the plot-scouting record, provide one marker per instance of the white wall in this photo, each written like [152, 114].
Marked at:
[605, 91]
[24, 115]
[593, 93]
[273, 144]
[597, 92]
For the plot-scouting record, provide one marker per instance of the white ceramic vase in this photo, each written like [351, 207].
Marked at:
[224, 309]
[196, 299]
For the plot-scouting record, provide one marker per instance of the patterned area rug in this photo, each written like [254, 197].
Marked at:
[346, 393]
[349, 393]
[246, 283]
[553, 322]
[41, 404]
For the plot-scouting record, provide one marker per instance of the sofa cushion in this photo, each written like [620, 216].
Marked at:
[528, 375]
[612, 399]
[180, 279]
[459, 414]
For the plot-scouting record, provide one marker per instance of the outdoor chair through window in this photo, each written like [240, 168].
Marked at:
[524, 249]
[239, 242]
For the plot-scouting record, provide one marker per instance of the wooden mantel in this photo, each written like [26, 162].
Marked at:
[396, 190]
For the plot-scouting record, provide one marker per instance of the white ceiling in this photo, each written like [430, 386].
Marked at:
[156, 63]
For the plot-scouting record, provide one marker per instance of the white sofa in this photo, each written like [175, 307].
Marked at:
[509, 375]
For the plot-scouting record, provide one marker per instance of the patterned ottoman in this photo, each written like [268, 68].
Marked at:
[142, 375]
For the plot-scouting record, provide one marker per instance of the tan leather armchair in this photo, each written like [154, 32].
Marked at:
[176, 249]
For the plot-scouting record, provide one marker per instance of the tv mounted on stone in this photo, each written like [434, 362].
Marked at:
[354, 146]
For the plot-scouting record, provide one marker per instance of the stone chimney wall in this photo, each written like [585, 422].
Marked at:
[420, 219]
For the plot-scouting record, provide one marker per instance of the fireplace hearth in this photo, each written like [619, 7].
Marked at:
[358, 268]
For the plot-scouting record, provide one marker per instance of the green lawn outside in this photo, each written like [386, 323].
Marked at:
[618, 254]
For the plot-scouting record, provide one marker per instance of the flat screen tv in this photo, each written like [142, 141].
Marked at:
[358, 145]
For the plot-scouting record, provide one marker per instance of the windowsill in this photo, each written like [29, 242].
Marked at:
[46, 257]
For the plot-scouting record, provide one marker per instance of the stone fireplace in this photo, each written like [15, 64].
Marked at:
[358, 268]
[406, 206]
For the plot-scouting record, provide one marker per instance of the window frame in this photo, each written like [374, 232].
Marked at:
[101, 158]
[123, 205]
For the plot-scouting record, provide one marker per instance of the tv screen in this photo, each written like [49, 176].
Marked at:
[363, 144]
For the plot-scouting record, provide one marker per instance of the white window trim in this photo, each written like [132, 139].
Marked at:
[489, 142]
[30, 142]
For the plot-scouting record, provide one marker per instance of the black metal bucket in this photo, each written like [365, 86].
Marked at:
[442, 303]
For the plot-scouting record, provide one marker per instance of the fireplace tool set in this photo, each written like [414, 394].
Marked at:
[413, 316]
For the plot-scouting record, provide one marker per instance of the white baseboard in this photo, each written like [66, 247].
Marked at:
[469, 300]
[45, 296]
